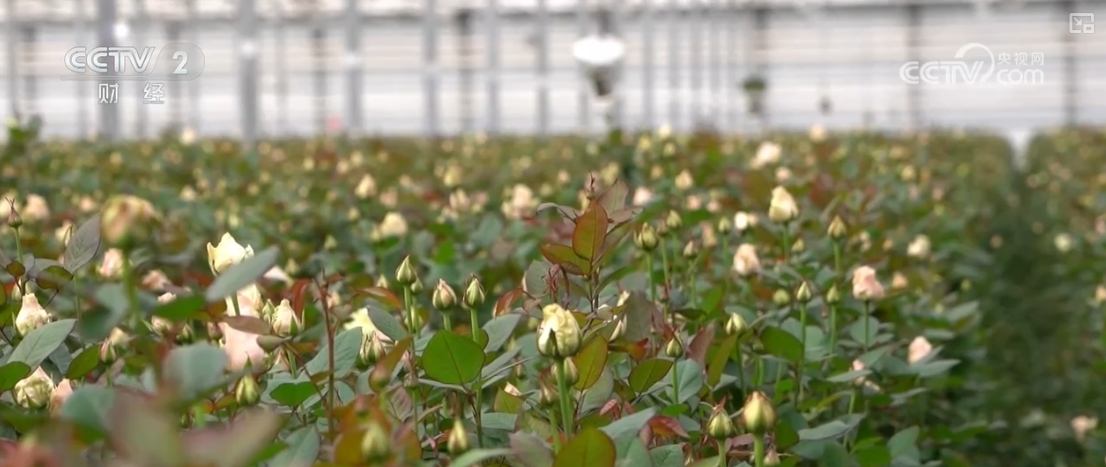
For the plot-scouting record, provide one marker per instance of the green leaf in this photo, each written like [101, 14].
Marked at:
[630, 424]
[718, 361]
[828, 430]
[639, 313]
[875, 456]
[564, 256]
[647, 373]
[237, 445]
[85, 362]
[387, 324]
[83, 245]
[346, 346]
[590, 231]
[499, 330]
[242, 275]
[180, 308]
[631, 452]
[903, 443]
[302, 450]
[533, 281]
[590, 447]
[849, 376]
[590, 362]
[475, 456]
[782, 344]
[149, 436]
[88, 407]
[691, 380]
[452, 359]
[294, 393]
[97, 325]
[934, 368]
[41, 342]
[530, 451]
[12, 373]
[599, 393]
[670, 455]
[195, 369]
[53, 278]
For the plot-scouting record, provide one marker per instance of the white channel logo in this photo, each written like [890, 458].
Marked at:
[966, 72]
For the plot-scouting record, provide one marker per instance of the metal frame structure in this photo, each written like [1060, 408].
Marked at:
[700, 49]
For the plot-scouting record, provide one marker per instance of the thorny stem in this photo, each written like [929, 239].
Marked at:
[741, 369]
[786, 241]
[653, 281]
[407, 305]
[802, 356]
[564, 395]
[330, 393]
[867, 324]
[675, 382]
[479, 385]
[664, 265]
[131, 290]
[758, 450]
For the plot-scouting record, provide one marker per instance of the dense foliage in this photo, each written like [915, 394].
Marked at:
[644, 300]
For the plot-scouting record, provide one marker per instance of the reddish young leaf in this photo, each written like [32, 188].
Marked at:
[251, 324]
[505, 301]
[697, 350]
[299, 296]
[381, 295]
[614, 198]
[566, 258]
[590, 232]
[667, 427]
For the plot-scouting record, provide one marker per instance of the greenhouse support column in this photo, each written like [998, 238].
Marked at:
[318, 52]
[584, 100]
[30, 74]
[81, 13]
[465, 74]
[695, 79]
[913, 45]
[674, 90]
[281, 69]
[247, 70]
[760, 58]
[714, 24]
[353, 69]
[195, 97]
[430, 67]
[619, 105]
[176, 87]
[13, 65]
[109, 112]
[492, 19]
[734, 74]
[648, 54]
[1071, 72]
[140, 22]
[543, 68]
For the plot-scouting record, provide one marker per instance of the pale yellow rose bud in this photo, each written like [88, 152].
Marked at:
[444, 298]
[646, 239]
[866, 285]
[31, 315]
[34, 392]
[837, 229]
[759, 415]
[782, 208]
[474, 293]
[803, 293]
[228, 253]
[721, 426]
[735, 325]
[246, 392]
[127, 221]
[375, 445]
[405, 273]
[559, 333]
[458, 442]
